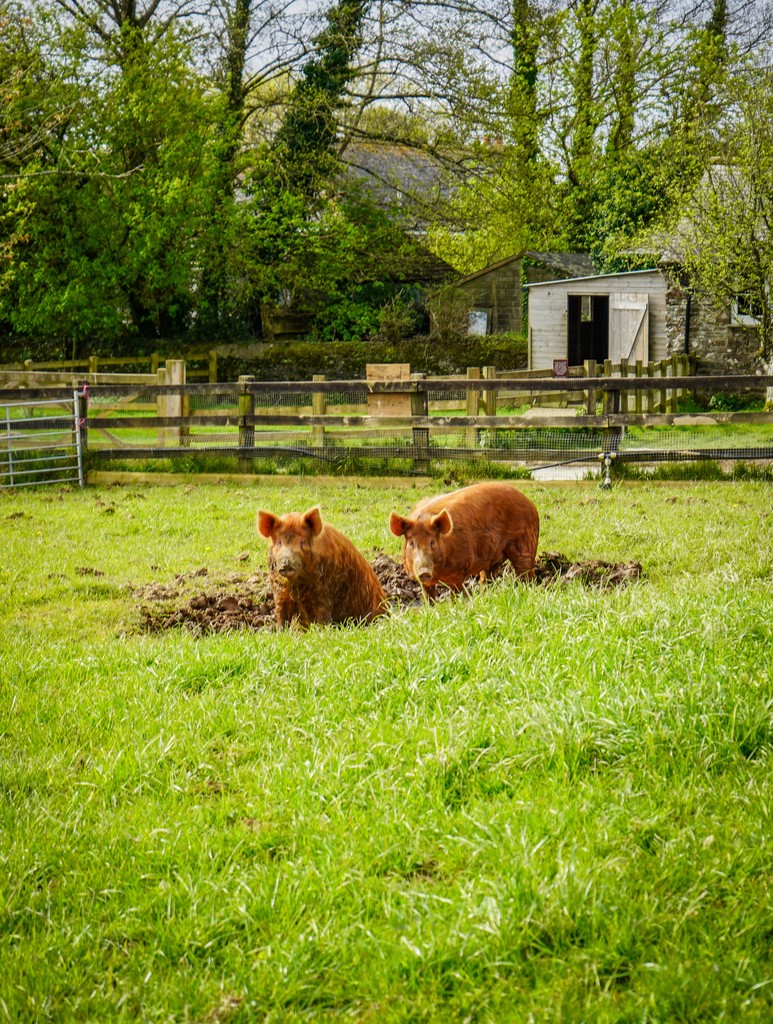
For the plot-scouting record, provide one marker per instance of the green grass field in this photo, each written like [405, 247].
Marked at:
[547, 804]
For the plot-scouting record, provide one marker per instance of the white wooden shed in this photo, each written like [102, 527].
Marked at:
[607, 316]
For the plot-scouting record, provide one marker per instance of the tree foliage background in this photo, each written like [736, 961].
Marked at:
[168, 166]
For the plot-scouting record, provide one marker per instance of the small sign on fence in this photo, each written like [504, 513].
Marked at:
[560, 367]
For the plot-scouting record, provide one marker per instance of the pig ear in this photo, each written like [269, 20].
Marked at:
[313, 520]
[266, 521]
[443, 522]
[398, 525]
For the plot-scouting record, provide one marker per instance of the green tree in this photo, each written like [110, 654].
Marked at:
[315, 237]
[303, 146]
[109, 210]
[725, 234]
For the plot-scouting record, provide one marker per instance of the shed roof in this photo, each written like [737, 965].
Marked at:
[573, 263]
[591, 277]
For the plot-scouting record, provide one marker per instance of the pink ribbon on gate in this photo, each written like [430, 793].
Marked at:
[82, 422]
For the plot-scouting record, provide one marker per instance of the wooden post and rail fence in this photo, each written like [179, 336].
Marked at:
[200, 366]
[430, 415]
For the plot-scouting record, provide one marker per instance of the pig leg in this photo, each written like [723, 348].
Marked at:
[521, 559]
[491, 573]
[284, 608]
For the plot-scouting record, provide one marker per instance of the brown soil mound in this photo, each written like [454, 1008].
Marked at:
[551, 565]
[206, 604]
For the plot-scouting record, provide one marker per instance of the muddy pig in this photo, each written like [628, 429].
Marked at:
[317, 574]
[451, 537]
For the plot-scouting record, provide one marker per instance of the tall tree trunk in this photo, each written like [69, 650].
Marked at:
[213, 287]
[303, 144]
[523, 81]
[621, 135]
[580, 163]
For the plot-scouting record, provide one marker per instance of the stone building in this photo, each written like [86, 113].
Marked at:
[722, 340]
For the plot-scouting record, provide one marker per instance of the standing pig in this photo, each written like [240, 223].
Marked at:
[317, 574]
[468, 532]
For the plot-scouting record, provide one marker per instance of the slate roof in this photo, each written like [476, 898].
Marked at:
[567, 264]
[570, 264]
[402, 176]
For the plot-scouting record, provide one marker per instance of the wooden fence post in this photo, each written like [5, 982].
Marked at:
[637, 400]
[420, 407]
[246, 403]
[93, 363]
[673, 398]
[651, 406]
[590, 394]
[611, 402]
[82, 416]
[213, 366]
[318, 409]
[155, 360]
[684, 370]
[161, 401]
[489, 398]
[473, 406]
[176, 403]
[622, 405]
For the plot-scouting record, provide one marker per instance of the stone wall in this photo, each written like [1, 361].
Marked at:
[719, 346]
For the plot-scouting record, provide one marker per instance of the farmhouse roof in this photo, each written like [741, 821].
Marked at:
[399, 175]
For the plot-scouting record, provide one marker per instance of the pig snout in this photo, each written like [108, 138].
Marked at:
[285, 561]
[423, 567]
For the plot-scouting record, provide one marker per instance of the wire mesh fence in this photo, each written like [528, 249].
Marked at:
[426, 421]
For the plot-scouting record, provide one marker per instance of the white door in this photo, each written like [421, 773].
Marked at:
[629, 334]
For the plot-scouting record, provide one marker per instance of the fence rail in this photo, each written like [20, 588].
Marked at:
[97, 365]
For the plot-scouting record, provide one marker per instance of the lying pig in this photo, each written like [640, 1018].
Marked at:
[466, 533]
[317, 574]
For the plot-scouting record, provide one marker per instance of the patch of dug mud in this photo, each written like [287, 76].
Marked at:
[551, 566]
[206, 604]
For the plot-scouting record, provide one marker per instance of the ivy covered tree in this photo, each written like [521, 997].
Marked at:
[317, 241]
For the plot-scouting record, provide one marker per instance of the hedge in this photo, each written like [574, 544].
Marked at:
[345, 360]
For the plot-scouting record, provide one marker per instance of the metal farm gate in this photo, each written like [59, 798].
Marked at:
[40, 442]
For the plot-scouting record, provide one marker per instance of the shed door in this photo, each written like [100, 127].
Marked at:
[629, 323]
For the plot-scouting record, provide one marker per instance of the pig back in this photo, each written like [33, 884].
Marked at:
[347, 578]
[492, 522]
